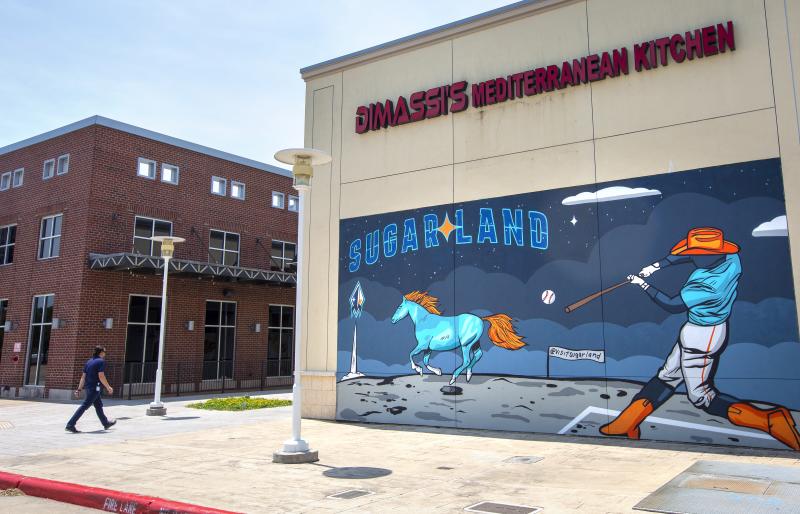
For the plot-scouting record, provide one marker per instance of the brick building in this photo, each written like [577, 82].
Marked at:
[77, 206]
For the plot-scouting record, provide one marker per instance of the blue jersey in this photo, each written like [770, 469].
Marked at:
[709, 293]
[93, 368]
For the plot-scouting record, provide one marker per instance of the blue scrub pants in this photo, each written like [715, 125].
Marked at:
[92, 398]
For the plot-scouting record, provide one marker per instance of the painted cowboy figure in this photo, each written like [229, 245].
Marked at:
[707, 297]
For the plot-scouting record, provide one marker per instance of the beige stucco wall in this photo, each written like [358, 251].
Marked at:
[732, 107]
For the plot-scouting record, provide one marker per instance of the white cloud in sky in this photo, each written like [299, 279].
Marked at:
[776, 227]
[609, 194]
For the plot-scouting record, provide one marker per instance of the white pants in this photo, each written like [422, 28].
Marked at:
[693, 360]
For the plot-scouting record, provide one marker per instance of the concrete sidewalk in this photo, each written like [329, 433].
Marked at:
[223, 460]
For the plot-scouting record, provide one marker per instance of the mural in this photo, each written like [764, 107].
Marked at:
[660, 307]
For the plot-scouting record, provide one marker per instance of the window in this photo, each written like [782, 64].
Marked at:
[144, 229]
[146, 168]
[294, 203]
[218, 186]
[223, 248]
[18, 177]
[280, 341]
[39, 339]
[8, 239]
[220, 334]
[169, 173]
[49, 169]
[50, 238]
[284, 256]
[5, 181]
[141, 340]
[63, 165]
[237, 190]
[277, 200]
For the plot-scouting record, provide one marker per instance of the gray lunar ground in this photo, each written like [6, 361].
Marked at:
[523, 404]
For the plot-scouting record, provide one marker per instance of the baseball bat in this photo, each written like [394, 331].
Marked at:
[584, 301]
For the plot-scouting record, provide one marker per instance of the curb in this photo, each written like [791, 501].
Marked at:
[97, 498]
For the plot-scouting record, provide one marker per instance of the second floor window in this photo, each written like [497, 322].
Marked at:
[294, 203]
[146, 168]
[62, 167]
[284, 256]
[169, 173]
[223, 248]
[144, 229]
[17, 179]
[237, 190]
[50, 237]
[5, 181]
[48, 169]
[218, 186]
[277, 200]
[8, 239]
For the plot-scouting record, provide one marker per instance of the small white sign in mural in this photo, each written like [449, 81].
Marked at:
[577, 355]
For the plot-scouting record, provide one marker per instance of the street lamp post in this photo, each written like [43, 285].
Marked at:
[296, 450]
[157, 408]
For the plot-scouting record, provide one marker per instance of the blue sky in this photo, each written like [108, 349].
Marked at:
[222, 74]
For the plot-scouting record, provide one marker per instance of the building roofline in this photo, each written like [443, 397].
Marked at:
[426, 37]
[149, 134]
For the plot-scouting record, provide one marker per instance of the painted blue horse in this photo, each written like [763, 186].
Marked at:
[437, 333]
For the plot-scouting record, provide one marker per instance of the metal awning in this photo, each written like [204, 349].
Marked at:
[137, 262]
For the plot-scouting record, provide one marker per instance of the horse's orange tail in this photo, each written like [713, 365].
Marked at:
[502, 333]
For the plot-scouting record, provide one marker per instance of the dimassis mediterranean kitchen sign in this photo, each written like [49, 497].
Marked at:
[457, 97]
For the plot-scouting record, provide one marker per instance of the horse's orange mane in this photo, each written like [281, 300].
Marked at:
[426, 301]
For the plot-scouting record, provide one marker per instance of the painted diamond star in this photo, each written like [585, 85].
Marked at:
[574, 220]
[446, 228]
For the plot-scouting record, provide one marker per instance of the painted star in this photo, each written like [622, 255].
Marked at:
[574, 220]
[446, 228]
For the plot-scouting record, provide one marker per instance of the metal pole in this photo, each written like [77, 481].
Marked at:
[157, 408]
[296, 443]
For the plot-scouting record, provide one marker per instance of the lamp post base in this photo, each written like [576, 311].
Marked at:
[156, 410]
[284, 457]
[295, 451]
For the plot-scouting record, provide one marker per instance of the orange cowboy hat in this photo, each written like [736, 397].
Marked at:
[704, 241]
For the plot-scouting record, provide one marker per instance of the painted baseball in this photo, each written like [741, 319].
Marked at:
[548, 296]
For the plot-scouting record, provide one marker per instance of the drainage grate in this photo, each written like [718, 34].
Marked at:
[6, 425]
[350, 494]
[523, 459]
[501, 508]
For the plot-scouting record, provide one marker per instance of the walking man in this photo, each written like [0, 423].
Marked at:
[707, 297]
[92, 378]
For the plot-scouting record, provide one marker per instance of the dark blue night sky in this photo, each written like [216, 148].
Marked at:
[590, 246]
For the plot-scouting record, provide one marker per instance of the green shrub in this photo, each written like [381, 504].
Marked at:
[239, 403]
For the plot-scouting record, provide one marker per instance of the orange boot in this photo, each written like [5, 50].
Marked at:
[777, 422]
[627, 423]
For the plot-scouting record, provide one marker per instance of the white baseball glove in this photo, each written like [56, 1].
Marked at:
[637, 281]
[649, 270]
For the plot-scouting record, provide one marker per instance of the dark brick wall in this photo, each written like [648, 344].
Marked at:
[99, 198]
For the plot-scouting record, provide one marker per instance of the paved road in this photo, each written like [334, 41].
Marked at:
[33, 505]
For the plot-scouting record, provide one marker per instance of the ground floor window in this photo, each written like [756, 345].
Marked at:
[3, 311]
[220, 335]
[280, 339]
[39, 339]
[141, 340]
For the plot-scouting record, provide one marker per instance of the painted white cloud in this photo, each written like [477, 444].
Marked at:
[610, 194]
[776, 227]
